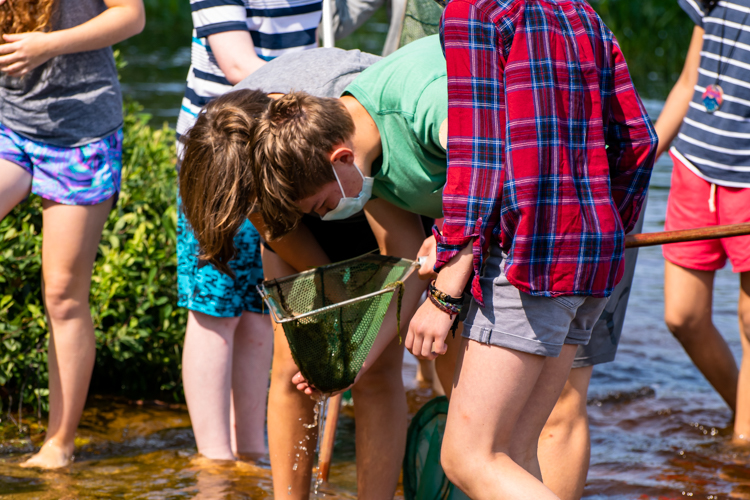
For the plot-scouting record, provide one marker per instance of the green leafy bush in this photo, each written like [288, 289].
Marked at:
[654, 36]
[139, 330]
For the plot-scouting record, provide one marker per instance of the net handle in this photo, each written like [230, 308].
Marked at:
[273, 307]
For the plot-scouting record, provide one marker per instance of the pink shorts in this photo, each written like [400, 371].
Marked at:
[691, 205]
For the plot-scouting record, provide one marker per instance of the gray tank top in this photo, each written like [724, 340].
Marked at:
[72, 99]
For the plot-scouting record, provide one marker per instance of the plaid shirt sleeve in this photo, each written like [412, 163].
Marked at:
[631, 141]
[476, 119]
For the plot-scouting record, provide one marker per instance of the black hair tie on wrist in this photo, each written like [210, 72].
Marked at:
[438, 294]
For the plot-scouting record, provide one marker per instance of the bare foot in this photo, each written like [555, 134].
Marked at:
[250, 457]
[199, 462]
[50, 456]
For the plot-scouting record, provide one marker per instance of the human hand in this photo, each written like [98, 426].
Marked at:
[428, 250]
[304, 386]
[428, 330]
[22, 52]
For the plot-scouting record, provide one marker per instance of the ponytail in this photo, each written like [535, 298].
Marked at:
[216, 179]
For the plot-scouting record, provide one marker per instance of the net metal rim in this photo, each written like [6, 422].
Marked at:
[275, 309]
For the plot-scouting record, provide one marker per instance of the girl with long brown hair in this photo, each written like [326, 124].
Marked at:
[61, 139]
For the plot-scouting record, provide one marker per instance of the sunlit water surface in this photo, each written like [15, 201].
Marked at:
[658, 429]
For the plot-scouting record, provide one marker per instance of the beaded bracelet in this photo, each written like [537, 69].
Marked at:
[444, 297]
[450, 309]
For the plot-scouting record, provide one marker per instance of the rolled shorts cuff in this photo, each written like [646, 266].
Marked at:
[597, 359]
[578, 337]
[497, 338]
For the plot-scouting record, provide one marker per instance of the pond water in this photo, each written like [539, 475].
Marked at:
[658, 429]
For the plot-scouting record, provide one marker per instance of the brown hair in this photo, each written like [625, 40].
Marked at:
[293, 144]
[22, 16]
[216, 179]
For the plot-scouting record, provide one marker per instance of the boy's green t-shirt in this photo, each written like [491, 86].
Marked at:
[406, 94]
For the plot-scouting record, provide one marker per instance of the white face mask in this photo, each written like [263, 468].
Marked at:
[350, 206]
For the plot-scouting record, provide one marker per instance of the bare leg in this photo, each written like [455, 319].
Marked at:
[71, 238]
[688, 298]
[427, 374]
[445, 365]
[536, 412]
[253, 346]
[288, 410]
[565, 443]
[207, 377]
[15, 185]
[381, 413]
[500, 401]
[742, 418]
[380, 406]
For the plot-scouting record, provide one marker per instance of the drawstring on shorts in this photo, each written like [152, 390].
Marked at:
[712, 199]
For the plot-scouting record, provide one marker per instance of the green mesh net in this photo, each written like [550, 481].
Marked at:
[421, 18]
[423, 477]
[412, 20]
[332, 314]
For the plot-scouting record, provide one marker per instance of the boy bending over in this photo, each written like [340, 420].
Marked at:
[551, 153]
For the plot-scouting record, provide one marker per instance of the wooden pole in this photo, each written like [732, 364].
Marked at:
[329, 437]
[703, 233]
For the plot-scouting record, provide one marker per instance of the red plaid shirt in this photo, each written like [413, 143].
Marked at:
[550, 149]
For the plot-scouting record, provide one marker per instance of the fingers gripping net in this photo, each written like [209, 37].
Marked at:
[332, 314]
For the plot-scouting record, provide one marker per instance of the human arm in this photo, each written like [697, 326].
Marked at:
[428, 252]
[235, 54]
[22, 52]
[678, 102]
[288, 247]
[472, 195]
[223, 23]
[399, 233]
[430, 326]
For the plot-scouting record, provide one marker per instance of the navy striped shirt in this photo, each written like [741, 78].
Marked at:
[716, 146]
[276, 27]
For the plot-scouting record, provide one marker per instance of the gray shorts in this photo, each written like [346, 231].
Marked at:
[602, 347]
[523, 322]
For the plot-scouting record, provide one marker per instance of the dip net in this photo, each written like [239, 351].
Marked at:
[332, 314]
[423, 476]
[412, 20]
[421, 19]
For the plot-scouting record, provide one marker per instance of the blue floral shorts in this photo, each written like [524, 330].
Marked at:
[83, 175]
[202, 288]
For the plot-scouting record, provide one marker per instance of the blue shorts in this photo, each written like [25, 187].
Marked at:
[83, 175]
[202, 288]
